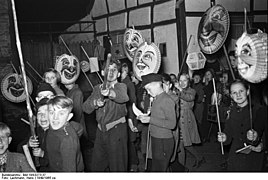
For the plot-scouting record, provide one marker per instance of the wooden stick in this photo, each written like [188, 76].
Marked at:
[34, 69]
[30, 112]
[28, 155]
[89, 62]
[66, 46]
[217, 109]
[228, 61]
[184, 56]
[14, 67]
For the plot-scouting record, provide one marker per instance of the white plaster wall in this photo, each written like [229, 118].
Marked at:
[131, 3]
[192, 24]
[260, 5]
[164, 11]
[116, 5]
[99, 8]
[235, 5]
[118, 22]
[140, 17]
[168, 34]
[197, 5]
[144, 1]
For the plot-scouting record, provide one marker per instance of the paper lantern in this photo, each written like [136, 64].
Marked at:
[251, 51]
[68, 67]
[147, 59]
[12, 87]
[213, 29]
[196, 60]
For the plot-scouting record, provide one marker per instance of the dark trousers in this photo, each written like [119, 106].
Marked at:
[132, 153]
[162, 150]
[110, 150]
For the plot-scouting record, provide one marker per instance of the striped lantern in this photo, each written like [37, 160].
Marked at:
[213, 29]
[251, 50]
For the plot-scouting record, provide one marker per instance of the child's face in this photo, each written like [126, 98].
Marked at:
[166, 86]
[197, 79]
[113, 73]
[51, 79]
[4, 142]
[239, 94]
[183, 81]
[208, 75]
[58, 116]
[42, 116]
[44, 94]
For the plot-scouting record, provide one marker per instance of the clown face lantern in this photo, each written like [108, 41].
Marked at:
[147, 60]
[68, 67]
[213, 29]
[12, 87]
[251, 52]
[132, 40]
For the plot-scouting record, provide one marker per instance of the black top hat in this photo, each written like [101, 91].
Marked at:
[152, 77]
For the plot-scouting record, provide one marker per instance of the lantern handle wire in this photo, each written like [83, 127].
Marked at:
[184, 56]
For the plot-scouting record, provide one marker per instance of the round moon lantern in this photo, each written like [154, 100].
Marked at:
[132, 40]
[251, 51]
[196, 60]
[213, 29]
[147, 59]
[68, 67]
[12, 87]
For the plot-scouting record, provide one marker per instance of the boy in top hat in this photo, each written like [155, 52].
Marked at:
[44, 90]
[161, 122]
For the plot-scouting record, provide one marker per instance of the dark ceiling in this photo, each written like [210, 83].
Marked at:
[32, 15]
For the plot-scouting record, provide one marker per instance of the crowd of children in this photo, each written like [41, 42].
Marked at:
[173, 120]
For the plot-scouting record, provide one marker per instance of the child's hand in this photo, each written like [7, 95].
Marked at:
[105, 92]
[131, 126]
[38, 152]
[33, 142]
[257, 148]
[144, 118]
[222, 137]
[252, 135]
[100, 102]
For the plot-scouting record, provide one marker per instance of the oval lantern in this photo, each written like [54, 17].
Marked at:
[132, 40]
[251, 51]
[12, 87]
[84, 66]
[68, 67]
[147, 59]
[213, 29]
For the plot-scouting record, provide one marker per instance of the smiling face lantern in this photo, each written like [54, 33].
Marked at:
[251, 52]
[132, 40]
[147, 60]
[68, 67]
[213, 29]
[12, 87]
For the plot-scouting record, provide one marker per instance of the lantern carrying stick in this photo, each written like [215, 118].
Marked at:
[30, 112]
[228, 62]
[72, 55]
[184, 56]
[217, 109]
[34, 69]
[89, 62]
